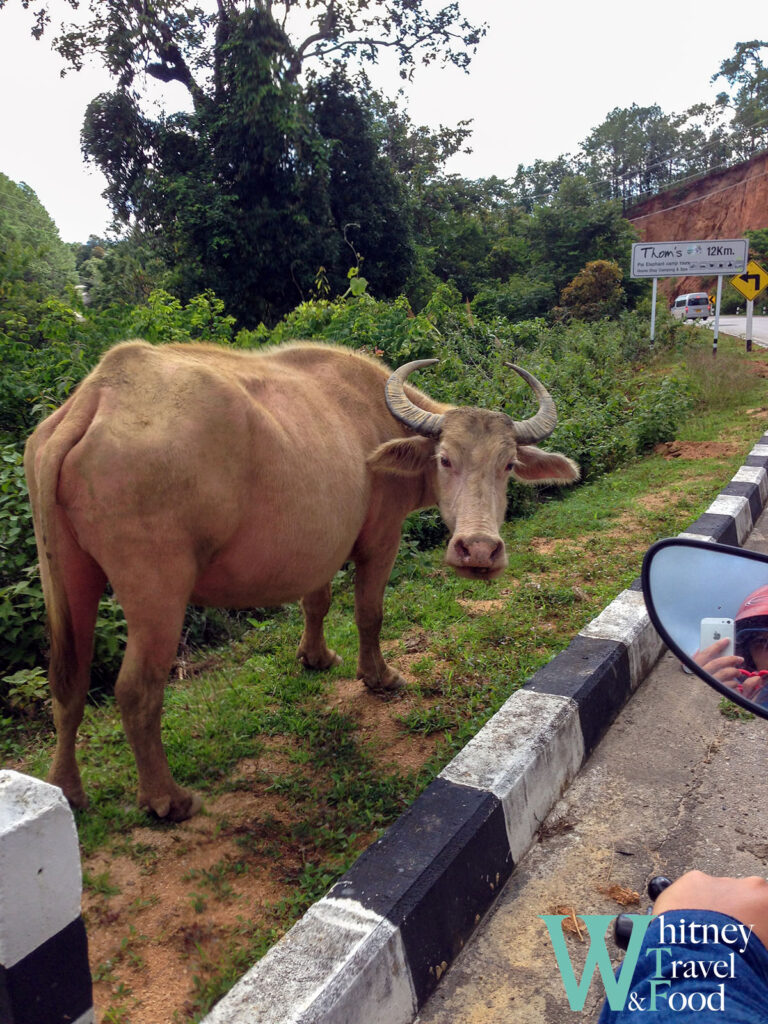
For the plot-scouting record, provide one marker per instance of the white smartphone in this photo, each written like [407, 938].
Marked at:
[716, 629]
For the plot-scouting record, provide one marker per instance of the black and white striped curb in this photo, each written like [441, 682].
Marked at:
[373, 949]
[44, 974]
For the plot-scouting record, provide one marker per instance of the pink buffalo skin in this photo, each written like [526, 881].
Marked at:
[199, 474]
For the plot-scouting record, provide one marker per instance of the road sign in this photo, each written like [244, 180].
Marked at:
[751, 282]
[690, 259]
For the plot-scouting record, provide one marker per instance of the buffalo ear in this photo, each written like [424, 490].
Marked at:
[405, 456]
[533, 466]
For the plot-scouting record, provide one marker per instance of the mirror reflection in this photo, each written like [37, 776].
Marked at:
[710, 605]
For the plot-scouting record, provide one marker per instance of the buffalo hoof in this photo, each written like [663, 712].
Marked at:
[181, 806]
[389, 682]
[318, 661]
[73, 791]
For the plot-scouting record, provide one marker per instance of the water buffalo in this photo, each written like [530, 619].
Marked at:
[196, 473]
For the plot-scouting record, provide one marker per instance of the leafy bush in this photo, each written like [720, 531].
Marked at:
[22, 613]
[519, 298]
[165, 319]
[594, 293]
[388, 329]
[659, 411]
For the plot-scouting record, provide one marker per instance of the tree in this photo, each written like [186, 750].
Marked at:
[244, 190]
[466, 231]
[417, 153]
[575, 227]
[120, 273]
[368, 200]
[538, 184]
[35, 264]
[747, 75]
[174, 41]
[594, 293]
[636, 150]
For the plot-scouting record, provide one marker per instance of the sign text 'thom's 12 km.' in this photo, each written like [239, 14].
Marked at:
[690, 259]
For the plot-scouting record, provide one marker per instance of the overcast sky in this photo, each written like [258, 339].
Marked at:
[544, 76]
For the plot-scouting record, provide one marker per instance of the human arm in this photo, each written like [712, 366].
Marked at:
[746, 899]
[703, 950]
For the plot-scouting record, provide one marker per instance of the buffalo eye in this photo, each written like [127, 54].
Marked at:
[445, 462]
[509, 467]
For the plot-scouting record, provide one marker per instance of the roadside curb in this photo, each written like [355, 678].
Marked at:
[374, 948]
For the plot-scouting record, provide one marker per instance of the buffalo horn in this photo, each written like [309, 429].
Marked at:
[541, 425]
[429, 424]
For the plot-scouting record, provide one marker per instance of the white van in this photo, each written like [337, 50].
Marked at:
[693, 306]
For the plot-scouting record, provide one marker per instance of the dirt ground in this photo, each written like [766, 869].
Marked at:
[697, 449]
[159, 922]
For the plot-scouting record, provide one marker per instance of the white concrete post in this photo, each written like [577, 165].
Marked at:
[44, 972]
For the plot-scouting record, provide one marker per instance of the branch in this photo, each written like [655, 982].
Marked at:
[336, 28]
[347, 45]
[172, 66]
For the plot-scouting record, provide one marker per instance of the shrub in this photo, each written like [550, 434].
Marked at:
[519, 298]
[594, 293]
[165, 319]
[22, 612]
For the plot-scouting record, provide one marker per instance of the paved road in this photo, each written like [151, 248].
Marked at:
[737, 326]
[673, 785]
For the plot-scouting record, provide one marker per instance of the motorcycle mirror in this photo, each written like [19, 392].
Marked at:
[697, 592]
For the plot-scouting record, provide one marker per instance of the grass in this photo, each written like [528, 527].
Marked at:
[469, 645]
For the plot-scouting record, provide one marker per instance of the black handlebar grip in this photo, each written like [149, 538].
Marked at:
[622, 929]
[657, 885]
[622, 926]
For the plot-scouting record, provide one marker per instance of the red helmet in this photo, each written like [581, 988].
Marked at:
[753, 605]
[752, 625]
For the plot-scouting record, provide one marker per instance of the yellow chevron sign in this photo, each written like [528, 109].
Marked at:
[751, 282]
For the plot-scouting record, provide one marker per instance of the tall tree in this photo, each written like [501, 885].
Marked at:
[538, 184]
[636, 150]
[368, 199]
[35, 264]
[577, 227]
[244, 188]
[466, 231]
[747, 75]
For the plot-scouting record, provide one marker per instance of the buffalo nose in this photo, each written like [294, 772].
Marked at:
[479, 552]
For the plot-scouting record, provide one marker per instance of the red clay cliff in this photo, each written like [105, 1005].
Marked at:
[724, 204]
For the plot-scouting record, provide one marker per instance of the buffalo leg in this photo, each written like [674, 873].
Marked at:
[153, 638]
[373, 565]
[313, 651]
[69, 676]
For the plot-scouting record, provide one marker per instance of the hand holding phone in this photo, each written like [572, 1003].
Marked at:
[715, 629]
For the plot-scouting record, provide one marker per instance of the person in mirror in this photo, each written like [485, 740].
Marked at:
[746, 670]
[730, 927]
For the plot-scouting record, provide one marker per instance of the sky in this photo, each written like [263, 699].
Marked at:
[544, 76]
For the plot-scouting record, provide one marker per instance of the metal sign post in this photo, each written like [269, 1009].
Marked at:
[717, 313]
[653, 310]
